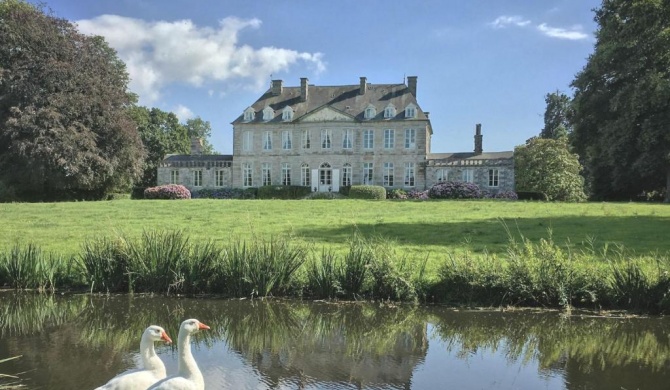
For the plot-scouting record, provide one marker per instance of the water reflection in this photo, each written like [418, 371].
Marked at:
[81, 341]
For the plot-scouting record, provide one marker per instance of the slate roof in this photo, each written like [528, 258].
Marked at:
[202, 157]
[471, 158]
[344, 98]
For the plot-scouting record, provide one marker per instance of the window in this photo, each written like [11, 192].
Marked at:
[368, 139]
[410, 138]
[174, 176]
[346, 175]
[442, 175]
[246, 175]
[409, 174]
[389, 111]
[410, 111]
[268, 113]
[286, 140]
[305, 140]
[325, 174]
[388, 174]
[367, 173]
[494, 177]
[347, 139]
[304, 175]
[468, 176]
[287, 114]
[285, 174]
[267, 141]
[370, 112]
[247, 141]
[265, 174]
[197, 178]
[326, 136]
[389, 139]
[249, 114]
[220, 178]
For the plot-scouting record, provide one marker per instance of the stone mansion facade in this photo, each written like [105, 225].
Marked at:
[325, 137]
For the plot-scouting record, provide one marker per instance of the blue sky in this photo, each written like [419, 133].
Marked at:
[477, 61]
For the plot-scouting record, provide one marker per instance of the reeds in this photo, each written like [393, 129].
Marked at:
[27, 267]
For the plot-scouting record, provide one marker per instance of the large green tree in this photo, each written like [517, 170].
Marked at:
[161, 134]
[622, 101]
[547, 166]
[556, 116]
[65, 131]
[202, 129]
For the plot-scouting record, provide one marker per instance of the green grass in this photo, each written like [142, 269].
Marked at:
[416, 227]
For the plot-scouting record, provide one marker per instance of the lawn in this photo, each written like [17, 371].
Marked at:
[420, 229]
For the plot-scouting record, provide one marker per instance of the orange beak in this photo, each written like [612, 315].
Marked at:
[202, 326]
[164, 336]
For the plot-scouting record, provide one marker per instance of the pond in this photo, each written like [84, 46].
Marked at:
[81, 341]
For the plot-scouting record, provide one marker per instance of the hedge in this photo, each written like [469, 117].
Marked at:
[283, 192]
[367, 192]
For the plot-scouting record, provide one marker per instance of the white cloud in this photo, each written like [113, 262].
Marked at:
[183, 113]
[504, 21]
[161, 53]
[575, 33]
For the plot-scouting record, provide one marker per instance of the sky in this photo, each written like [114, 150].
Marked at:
[477, 61]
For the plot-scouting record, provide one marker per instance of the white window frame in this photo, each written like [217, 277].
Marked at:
[266, 174]
[410, 174]
[247, 141]
[326, 139]
[370, 112]
[247, 175]
[287, 114]
[368, 139]
[268, 113]
[346, 174]
[174, 176]
[347, 139]
[249, 114]
[197, 178]
[306, 140]
[389, 172]
[389, 111]
[286, 140]
[468, 175]
[410, 112]
[410, 138]
[389, 139]
[442, 175]
[494, 177]
[368, 173]
[286, 174]
[304, 175]
[267, 140]
[219, 178]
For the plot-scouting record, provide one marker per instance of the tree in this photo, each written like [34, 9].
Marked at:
[556, 116]
[199, 128]
[546, 165]
[622, 101]
[64, 127]
[161, 134]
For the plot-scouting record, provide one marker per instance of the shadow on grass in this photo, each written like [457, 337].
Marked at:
[643, 235]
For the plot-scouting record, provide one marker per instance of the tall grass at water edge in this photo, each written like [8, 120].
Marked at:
[530, 273]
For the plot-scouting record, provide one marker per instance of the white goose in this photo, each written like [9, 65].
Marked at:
[189, 376]
[152, 369]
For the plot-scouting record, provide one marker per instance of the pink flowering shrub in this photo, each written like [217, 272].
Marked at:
[455, 190]
[168, 191]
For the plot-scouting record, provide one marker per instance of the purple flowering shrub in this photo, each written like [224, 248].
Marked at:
[508, 195]
[420, 195]
[168, 191]
[455, 190]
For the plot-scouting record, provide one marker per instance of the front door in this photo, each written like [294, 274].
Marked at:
[325, 178]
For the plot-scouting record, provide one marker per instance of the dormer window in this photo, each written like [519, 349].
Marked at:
[410, 111]
[370, 112]
[249, 114]
[287, 114]
[268, 113]
[389, 111]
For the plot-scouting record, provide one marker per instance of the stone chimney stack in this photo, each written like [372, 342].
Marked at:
[364, 86]
[196, 146]
[411, 84]
[277, 87]
[478, 139]
[303, 89]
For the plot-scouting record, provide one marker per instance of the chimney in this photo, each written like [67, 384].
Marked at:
[478, 139]
[411, 84]
[427, 114]
[196, 146]
[303, 89]
[364, 86]
[277, 87]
